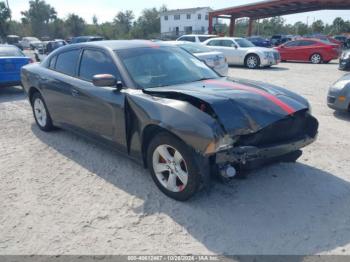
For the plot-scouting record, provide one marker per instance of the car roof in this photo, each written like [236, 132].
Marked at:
[117, 44]
[226, 38]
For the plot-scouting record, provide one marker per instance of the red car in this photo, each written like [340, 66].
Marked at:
[314, 50]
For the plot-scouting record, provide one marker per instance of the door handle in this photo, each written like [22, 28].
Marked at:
[75, 92]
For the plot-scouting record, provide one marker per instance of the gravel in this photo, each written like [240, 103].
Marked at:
[62, 194]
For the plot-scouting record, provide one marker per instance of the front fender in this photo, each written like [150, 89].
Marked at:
[194, 127]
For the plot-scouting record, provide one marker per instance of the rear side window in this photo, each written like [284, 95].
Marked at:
[306, 43]
[227, 43]
[214, 43]
[188, 38]
[95, 62]
[204, 38]
[67, 62]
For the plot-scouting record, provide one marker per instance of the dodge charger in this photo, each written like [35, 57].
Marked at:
[166, 109]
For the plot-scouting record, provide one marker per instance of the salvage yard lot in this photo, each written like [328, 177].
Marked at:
[62, 194]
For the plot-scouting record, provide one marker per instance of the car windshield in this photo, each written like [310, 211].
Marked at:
[163, 66]
[10, 51]
[244, 43]
[195, 48]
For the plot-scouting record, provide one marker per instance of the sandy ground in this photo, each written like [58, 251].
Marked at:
[61, 194]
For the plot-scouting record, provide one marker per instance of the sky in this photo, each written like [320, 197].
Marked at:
[105, 10]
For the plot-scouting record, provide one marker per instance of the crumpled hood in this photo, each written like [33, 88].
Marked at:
[241, 106]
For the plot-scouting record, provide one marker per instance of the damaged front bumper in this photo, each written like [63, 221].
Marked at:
[247, 154]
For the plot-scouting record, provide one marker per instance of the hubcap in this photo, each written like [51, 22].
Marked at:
[40, 112]
[170, 168]
[316, 59]
[252, 62]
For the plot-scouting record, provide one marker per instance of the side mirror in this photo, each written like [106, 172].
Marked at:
[104, 80]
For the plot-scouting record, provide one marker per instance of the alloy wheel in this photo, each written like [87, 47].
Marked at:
[170, 168]
[316, 58]
[252, 62]
[40, 112]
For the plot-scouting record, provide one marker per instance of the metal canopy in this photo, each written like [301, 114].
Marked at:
[271, 8]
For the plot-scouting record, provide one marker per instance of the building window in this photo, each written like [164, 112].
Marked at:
[206, 17]
[176, 17]
[199, 16]
[166, 18]
[188, 16]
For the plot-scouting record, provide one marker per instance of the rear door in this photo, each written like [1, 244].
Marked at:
[58, 86]
[226, 47]
[288, 50]
[305, 49]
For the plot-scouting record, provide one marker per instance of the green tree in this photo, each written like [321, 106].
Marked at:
[147, 25]
[39, 15]
[5, 16]
[338, 25]
[123, 23]
[75, 25]
[318, 26]
[58, 29]
[301, 28]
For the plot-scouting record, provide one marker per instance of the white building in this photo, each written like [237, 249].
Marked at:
[185, 21]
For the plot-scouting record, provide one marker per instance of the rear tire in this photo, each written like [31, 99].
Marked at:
[252, 61]
[316, 58]
[40, 112]
[173, 167]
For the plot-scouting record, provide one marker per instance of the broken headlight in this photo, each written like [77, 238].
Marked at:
[222, 144]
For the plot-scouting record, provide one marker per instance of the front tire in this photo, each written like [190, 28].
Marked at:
[41, 114]
[252, 61]
[173, 167]
[316, 59]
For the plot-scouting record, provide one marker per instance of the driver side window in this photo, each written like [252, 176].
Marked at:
[95, 62]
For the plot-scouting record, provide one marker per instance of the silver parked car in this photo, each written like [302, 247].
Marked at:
[30, 42]
[214, 59]
[195, 38]
[339, 94]
[240, 51]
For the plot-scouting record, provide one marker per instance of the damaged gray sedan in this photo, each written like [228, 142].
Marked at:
[168, 110]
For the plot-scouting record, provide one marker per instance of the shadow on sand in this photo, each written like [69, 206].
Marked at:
[11, 94]
[342, 115]
[292, 208]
